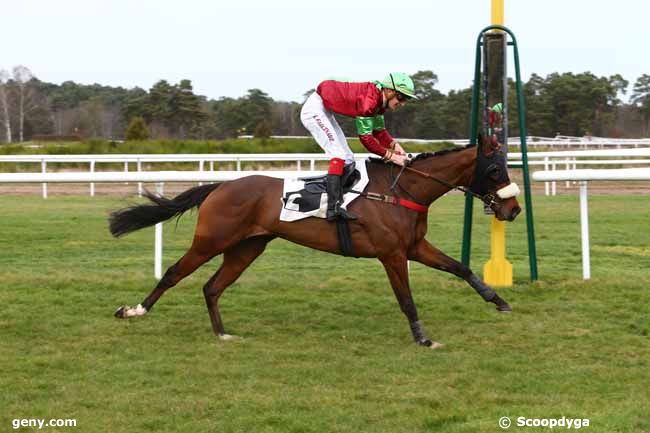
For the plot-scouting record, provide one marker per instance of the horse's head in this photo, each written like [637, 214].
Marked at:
[491, 180]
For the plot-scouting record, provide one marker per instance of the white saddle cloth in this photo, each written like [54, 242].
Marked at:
[292, 190]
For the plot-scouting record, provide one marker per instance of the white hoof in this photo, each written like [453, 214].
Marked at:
[139, 310]
[435, 345]
[227, 337]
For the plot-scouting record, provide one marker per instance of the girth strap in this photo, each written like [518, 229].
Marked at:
[345, 237]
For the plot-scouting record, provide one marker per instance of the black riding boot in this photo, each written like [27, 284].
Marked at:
[335, 200]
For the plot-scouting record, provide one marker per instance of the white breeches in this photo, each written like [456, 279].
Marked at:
[325, 129]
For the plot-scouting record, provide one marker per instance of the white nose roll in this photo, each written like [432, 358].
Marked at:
[511, 190]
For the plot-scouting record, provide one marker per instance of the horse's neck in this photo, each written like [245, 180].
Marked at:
[455, 168]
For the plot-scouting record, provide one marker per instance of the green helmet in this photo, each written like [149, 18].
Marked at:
[400, 82]
[498, 107]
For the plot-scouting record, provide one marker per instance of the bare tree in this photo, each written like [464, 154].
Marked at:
[4, 77]
[110, 118]
[22, 76]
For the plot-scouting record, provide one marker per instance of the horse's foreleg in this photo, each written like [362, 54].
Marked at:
[397, 271]
[235, 260]
[429, 255]
[194, 258]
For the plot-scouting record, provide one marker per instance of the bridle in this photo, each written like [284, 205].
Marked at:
[490, 199]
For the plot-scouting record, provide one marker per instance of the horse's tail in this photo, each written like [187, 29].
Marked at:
[134, 218]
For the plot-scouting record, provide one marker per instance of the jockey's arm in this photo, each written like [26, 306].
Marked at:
[374, 136]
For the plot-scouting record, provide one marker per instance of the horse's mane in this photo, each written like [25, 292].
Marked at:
[426, 155]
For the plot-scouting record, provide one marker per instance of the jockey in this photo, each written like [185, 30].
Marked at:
[367, 101]
[495, 123]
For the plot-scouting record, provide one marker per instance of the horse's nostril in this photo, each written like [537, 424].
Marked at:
[515, 211]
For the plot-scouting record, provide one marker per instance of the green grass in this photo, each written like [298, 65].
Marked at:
[325, 346]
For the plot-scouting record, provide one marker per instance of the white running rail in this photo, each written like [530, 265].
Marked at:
[532, 141]
[157, 177]
[583, 176]
[206, 162]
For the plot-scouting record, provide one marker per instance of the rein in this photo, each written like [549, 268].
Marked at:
[397, 201]
[489, 199]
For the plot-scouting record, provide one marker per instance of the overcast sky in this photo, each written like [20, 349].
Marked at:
[285, 47]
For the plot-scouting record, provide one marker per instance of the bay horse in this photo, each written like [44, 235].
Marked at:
[239, 218]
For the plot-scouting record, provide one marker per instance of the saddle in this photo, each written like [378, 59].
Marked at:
[309, 198]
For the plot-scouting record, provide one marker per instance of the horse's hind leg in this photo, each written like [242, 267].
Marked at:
[235, 260]
[197, 255]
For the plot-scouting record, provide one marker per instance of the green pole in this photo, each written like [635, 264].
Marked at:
[473, 133]
[532, 250]
[467, 229]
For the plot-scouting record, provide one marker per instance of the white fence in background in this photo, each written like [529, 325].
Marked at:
[139, 160]
[583, 176]
[584, 142]
[156, 177]
[531, 140]
[570, 159]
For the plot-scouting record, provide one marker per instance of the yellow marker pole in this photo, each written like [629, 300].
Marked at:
[498, 270]
[497, 12]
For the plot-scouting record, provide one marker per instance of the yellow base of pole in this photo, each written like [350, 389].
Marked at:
[498, 271]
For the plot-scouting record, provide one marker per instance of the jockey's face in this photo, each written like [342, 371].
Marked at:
[395, 99]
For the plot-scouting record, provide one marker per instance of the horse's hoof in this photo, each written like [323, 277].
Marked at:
[125, 311]
[430, 344]
[228, 337]
[504, 308]
[120, 312]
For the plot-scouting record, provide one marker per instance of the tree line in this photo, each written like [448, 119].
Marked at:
[560, 103]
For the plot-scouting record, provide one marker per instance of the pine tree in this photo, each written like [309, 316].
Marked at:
[137, 129]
